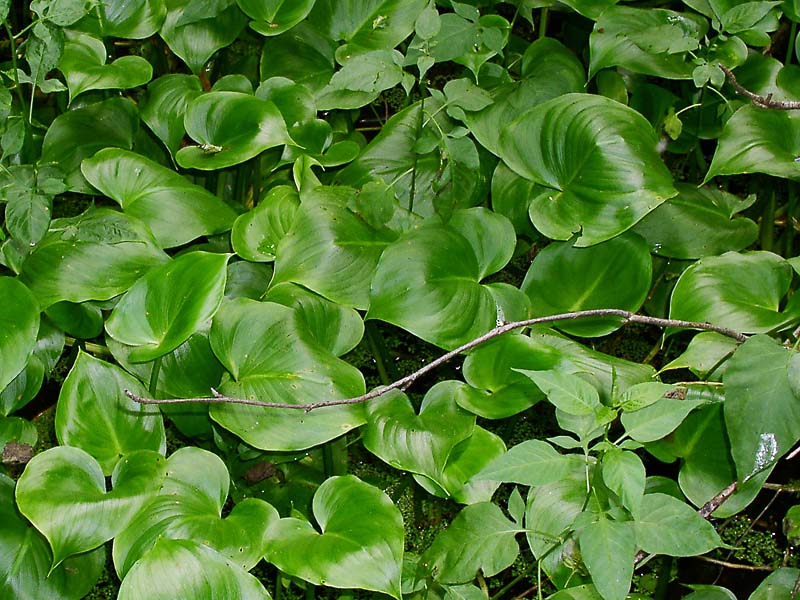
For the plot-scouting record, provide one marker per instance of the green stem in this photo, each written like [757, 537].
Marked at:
[278, 586]
[412, 190]
[662, 586]
[544, 16]
[310, 591]
[14, 66]
[766, 237]
[499, 593]
[334, 457]
[790, 45]
[154, 376]
[791, 208]
[387, 370]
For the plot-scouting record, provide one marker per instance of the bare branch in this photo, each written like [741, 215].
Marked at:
[403, 383]
[762, 101]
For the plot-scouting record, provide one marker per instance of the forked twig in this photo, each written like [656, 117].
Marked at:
[403, 383]
[758, 100]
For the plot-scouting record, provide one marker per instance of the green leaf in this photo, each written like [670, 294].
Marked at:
[148, 316]
[758, 141]
[83, 64]
[742, 291]
[642, 395]
[366, 24]
[608, 548]
[303, 55]
[417, 285]
[195, 40]
[94, 256]
[480, 537]
[613, 274]
[256, 233]
[420, 443]
[80, 132]
[624, 474]
[665, 525]
[203, 573]
[280, 361]
[63, 493]
[19, 325]
[704, 353]
[230, 127]
[778, 584]
[163, 106]
[134, 19]
[497, 387]
[760, 364]
[28, 217]
[330, 249]
[95, 415]
[43, 50]
[60, 12]
[534, 462]
[360, 544]
[361, 80]
[176, 210]
[651, 41]
[189, 507]
[273, 17]
[25, 559]
[696, 223]
[597, 160]
[567, 392]
[709, 592]
[658, 419]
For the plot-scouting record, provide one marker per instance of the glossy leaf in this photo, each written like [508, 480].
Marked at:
[694, 224]
[230, 128]
[758, 141]
[624, 474]
[330, 249]
[25, 559]
[275, 16]
[302, 54]
[94, 256]
[256, 233]
[196, 38]
[760, 364]
[189, 507]
[84, 66]
[497, 387]
[165, 104]
[480, 538]
[777, 584]
[661, 418]
[203, 573]
[742, 291]
[608, 548]
[95, 415]
[417, 285]
[665, 525]
[280, 361]
[80, 132]
[136, 19]
[597, 159]
[176, 210]
[613, 274]
[534, 462]
[19, 324]
[569, 393]
[149, 316]
[360, 544]
[651, 41]
[705, 354]
[417, 443]
[63, 493]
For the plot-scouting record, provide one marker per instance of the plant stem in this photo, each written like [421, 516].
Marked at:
[544, 16]
[154, 376]
[334, 457]
[387, 370]
[790, 45]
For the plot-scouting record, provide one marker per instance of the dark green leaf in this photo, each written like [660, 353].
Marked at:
[781, 583]
[275, 16]
[608, 548]
[165, 104]
[256, 233]
[19, 324]
[135, 19]
[665, 525]
[624, 474]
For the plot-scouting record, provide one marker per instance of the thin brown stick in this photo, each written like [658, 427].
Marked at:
[732, 565]
[405, 382]
[758, 100]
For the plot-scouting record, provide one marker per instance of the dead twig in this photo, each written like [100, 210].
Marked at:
[758, 100]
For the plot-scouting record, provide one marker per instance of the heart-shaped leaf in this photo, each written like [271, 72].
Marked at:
[742, 291]
[203, 573]
[84, 66]
[148, 316]
[256, 233]
[613, 274]
[418, 286]
[330, 249]
[597, 160]
[280, 361]
[479, 538]
[304, 56]
[176, 210]
[63, 493]
[230, 128]
[275, 16]
[19, 322]
[135, 19]
[417, 443]
[696, 223]
[25, 559]
[79, 133]
[188, 511]
[94, 414]
[94, 256]
[360, 544]
[195, 37]
[165, 104]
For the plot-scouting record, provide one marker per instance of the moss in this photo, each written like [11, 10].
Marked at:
[753, 546]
